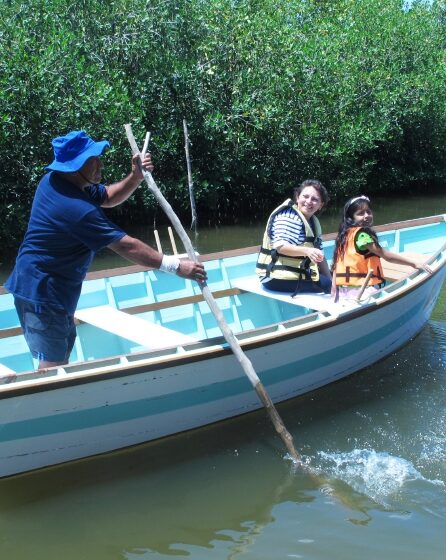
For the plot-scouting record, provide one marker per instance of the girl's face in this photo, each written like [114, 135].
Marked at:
[309, 201]
[363, 217]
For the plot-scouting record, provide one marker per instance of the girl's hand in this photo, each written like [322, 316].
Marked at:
[425, 267]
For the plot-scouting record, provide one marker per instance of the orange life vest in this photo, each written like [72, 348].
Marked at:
[355, 265]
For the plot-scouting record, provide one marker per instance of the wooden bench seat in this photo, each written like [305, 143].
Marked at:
[316, 302]
[144, 333]
[6, 373]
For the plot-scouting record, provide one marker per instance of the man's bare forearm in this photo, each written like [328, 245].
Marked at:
[136, 251]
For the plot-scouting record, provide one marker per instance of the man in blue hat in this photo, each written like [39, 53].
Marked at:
[66, 228]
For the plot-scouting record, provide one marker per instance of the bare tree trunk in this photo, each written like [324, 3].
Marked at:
[193, 224]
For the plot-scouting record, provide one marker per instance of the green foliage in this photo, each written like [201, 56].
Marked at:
[351, 92]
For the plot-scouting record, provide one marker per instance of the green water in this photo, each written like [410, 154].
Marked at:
[234, 236]
[376, 440]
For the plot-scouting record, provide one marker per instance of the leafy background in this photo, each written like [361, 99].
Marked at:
[275, 91]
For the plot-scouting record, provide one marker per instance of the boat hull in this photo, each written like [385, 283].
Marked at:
[57, 420]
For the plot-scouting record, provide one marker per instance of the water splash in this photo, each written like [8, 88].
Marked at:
[379, 476]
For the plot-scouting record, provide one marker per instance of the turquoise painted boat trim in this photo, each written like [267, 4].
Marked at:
[191, 397]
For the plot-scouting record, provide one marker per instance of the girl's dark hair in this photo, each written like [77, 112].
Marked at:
[351, 206]
[323, 193]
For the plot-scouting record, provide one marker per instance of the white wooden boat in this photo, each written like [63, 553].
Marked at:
[150, 360]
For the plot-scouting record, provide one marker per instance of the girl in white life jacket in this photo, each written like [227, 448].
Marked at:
[291, 258]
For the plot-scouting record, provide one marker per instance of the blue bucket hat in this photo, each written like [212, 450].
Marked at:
[72, 151]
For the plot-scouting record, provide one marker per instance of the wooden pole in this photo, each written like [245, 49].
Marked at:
[172, 241]
[146, 145]
[189, 178]
[157, 240]
[209, 298]
[364, 285]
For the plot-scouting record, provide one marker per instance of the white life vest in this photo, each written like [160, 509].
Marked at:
[271, 264]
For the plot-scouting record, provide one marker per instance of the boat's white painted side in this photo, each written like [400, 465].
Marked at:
[67, 417]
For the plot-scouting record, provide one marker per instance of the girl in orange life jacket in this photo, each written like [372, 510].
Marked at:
[357, 251]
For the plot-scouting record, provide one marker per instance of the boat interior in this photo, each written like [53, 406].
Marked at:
[137, 311]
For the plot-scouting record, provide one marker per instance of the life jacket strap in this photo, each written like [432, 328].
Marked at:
[348, 275]
[304, 271]
[274, 256]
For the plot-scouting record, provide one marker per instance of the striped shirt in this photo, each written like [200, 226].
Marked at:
[287, 227]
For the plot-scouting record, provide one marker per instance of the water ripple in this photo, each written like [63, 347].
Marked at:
[439, 330]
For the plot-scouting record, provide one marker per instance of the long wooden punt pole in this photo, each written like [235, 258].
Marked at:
[244, 361]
